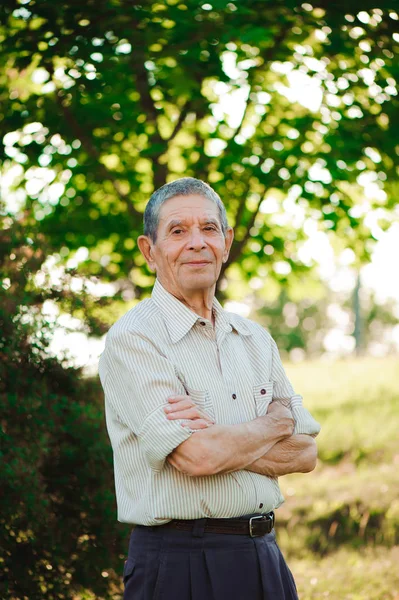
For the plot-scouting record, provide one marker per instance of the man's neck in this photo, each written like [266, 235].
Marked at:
[199, 302]
[199, 305]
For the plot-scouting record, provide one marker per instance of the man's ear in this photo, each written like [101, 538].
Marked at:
[145, 246]
[228, 241]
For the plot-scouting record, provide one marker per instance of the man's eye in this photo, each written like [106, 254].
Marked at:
[177, 231]
[210, 228]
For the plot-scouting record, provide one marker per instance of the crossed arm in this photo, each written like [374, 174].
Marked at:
[265, 445]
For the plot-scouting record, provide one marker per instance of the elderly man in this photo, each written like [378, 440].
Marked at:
[202, 419]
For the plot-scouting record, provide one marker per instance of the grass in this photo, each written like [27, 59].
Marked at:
[339, 526]
[370, 574]
[356, 402]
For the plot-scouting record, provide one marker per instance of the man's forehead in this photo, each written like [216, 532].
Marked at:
[188, 207]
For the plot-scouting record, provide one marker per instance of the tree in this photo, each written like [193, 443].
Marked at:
[111, 100]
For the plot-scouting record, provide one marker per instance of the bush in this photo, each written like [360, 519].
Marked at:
[57, 507]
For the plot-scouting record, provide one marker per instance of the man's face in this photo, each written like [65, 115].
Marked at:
[190, 247]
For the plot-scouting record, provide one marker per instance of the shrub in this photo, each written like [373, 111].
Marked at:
[57, 508]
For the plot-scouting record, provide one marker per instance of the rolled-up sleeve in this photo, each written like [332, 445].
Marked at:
[284, 393]
[137, 381]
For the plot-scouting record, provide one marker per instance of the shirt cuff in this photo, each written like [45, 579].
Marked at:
[304, 422]
[160, 436]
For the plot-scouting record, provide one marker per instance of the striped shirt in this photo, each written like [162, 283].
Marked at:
[232, 370]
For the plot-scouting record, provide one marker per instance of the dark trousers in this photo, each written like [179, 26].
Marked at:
[165, 564]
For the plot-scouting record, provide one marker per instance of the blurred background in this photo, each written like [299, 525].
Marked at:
[291, 112]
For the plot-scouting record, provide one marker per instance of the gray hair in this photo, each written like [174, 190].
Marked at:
[181, 187]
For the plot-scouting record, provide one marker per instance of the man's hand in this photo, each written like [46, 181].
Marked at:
[296, 454]
[182, 407]
[281, 415]
[224, 448]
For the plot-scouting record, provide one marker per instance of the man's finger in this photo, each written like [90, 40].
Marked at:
[177, 398]
[189, 413]
[180, 405]
[197, 424]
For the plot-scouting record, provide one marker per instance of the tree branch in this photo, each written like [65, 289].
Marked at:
[182, 117]
[267, 56]
[88, 145]
[148, 106]
[241, 207]
[238, 246]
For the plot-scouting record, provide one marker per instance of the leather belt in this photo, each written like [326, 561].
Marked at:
[253, 526]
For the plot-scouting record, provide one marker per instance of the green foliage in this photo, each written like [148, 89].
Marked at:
[57, 506]
[117, 98]
[300, 324]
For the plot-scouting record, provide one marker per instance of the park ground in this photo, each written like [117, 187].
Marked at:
[339, 526]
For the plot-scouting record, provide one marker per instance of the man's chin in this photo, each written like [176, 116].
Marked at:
[199, 282]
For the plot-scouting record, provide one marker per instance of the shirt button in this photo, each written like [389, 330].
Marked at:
[202, 323]
[261, 505]
[263, 391]
[234, 396]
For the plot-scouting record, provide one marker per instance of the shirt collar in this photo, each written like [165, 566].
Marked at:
[179, 319]
[229, 320]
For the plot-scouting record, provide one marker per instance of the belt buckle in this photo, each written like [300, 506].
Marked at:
[251, 533]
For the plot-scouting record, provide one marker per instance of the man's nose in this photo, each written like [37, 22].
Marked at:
[196, 240]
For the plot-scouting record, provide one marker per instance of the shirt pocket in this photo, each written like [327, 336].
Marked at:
[202, 399]
[263, 395]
